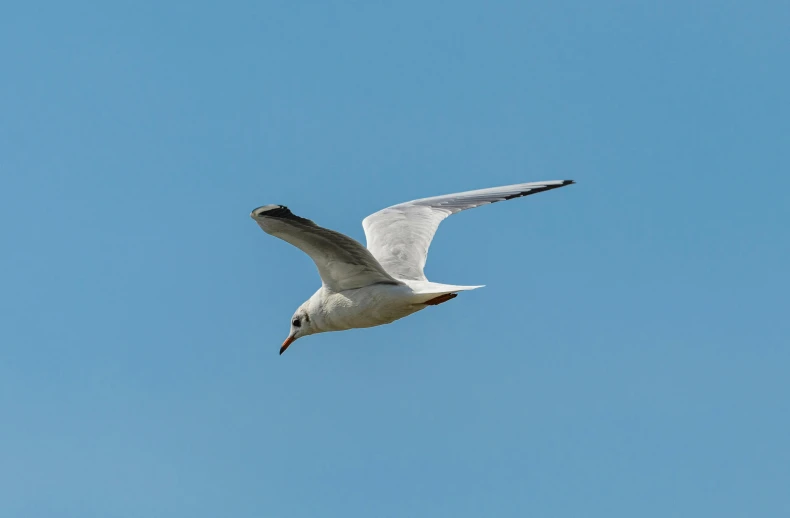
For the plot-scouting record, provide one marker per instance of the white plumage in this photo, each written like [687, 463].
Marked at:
[365, 287]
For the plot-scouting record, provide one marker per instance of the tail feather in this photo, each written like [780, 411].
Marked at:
[433, 289]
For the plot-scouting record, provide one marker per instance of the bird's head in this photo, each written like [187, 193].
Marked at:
[301, 325]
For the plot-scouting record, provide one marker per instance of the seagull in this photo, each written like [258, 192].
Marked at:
[366, 287]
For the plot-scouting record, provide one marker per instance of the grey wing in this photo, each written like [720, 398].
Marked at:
[399, 236]
[342, 262]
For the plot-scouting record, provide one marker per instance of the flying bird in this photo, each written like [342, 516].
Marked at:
[366, 287]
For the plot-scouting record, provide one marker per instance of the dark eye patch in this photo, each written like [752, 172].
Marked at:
[296, 323]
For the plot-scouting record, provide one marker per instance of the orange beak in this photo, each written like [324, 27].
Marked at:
[288, 341]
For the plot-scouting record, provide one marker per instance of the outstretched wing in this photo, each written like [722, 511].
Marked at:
[342, 262]
[399, 236]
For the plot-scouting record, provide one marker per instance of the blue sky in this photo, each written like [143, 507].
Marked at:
[628, 356]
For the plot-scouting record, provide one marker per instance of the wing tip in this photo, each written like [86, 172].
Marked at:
[280, 212]
[269, 210]
[568, 182]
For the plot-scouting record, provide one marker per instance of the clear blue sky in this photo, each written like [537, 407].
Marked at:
[628, 357]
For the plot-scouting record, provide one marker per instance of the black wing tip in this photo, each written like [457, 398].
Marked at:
[279, 212]
[542, 188]
[269, 210]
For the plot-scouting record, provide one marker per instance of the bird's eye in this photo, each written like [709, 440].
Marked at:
[295, 322]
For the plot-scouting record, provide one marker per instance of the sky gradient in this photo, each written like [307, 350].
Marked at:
[628, 356]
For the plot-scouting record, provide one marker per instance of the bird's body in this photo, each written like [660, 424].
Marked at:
[372, 305]
[368, 306]
[366, 287]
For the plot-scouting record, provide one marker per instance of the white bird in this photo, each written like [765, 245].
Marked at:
[366, 287]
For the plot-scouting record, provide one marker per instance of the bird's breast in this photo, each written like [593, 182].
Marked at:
[369, 306]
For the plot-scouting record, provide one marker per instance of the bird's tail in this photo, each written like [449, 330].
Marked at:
[431, 290]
